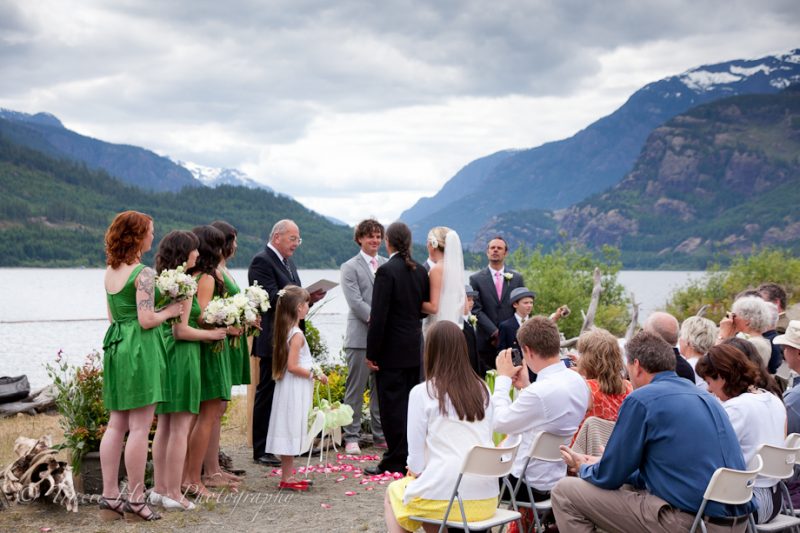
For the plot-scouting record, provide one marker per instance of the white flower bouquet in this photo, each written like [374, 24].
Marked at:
[175, 285]
[259, 304]
[222, 312]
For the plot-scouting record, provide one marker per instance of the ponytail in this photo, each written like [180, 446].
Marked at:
[399, 237]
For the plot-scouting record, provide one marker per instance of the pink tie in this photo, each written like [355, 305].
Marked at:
[498, 284]
[374, 263]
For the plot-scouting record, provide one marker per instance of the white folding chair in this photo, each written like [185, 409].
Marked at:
[729, 486]
[545, 447]
[480, 461]
[779, 464]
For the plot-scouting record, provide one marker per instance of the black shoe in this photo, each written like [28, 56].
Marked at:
[267, 460]
[373, 470]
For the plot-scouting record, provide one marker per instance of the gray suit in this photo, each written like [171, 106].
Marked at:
[357, 281]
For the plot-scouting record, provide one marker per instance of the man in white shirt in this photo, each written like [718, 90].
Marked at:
[555, 403]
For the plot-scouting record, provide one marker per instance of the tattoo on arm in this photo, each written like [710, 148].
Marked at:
[145, 284]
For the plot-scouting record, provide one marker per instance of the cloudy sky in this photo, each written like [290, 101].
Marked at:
[353, 107]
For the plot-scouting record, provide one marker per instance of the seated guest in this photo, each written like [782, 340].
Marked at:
[666, 326]
[654, 452]
[600, 364]
[696, 337]
[470, 322]
[790, 341]
[776, 359]
[757, 416]
[772, 292]
[522, 301]
[448, 414]
[555, 403]
[748, 317]
[765, 380]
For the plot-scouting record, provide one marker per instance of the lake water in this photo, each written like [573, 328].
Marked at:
[47, 310]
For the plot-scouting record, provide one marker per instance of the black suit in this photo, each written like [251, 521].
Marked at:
[394, 337]
[472, 349]
[271, 273]
[490, 310]
[682, 366]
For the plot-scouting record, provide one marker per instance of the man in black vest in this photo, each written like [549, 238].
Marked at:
[273, 269]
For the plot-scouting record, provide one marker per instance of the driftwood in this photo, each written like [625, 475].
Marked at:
[38, 475]
[634, 318]
[41, 400]
[702, 311]
[588, 318]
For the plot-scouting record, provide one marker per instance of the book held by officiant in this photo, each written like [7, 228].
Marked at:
[323, 284]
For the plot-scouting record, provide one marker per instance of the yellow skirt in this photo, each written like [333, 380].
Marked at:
[476, 509]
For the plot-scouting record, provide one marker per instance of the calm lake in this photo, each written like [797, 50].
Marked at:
[47, 310]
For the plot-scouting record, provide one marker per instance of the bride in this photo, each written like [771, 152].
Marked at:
[446, 277]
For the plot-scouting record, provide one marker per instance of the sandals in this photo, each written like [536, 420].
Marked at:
[135, 511]
[112, 509]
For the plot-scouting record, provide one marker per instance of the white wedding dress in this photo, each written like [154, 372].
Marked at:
[452, 294]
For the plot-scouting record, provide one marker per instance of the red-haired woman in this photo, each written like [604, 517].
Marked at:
[133, 362]
[757, 416]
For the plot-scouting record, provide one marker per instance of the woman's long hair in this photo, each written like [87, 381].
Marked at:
[174, 249]
[399, 237]
[601, 360]
[765, 379]
[731, 364]
[285, 317]
[449, 375]
[211, 242]
[124, 237]
[230, 237]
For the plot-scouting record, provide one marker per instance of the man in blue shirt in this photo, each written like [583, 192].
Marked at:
[669, 439]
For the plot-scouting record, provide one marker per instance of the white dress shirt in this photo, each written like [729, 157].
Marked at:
[555, 403]
[437, 445]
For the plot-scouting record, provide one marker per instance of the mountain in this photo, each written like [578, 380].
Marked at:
[214, 177]
[722, 178]
[133, 165]
[54, 213]
[559, 174]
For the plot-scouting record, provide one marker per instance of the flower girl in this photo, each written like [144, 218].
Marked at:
[294, 374]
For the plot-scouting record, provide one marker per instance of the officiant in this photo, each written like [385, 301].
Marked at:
[273, 269]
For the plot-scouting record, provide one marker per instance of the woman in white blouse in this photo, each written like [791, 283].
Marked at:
[757, 416]
[448, 414]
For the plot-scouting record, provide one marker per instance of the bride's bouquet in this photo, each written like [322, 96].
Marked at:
[259, 304]
[175, 285]
[222, 312]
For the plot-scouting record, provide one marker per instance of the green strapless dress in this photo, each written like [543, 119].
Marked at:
[239, 356]
[215, 373]
[134, 365]
[183, 369]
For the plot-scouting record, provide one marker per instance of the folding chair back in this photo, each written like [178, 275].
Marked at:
[545, 447]
[729, 486]
[489, 461]
[792, 440]
[779, 461]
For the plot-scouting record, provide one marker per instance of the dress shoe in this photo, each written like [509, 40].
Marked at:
[373, 470]
[268, 460]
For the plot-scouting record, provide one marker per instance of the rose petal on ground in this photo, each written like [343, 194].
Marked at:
[326, 505]
[350, 493]
[370, 488]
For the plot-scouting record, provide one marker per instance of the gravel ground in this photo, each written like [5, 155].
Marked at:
[341, 500]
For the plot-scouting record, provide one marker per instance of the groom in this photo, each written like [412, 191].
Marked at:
[492, 305]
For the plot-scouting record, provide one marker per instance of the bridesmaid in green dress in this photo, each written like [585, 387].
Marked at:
[133, 363]
[215, 378]
[239, 360]
[177, 412]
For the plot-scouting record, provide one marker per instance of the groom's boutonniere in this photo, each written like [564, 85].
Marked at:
[473, 320]
[508, 276]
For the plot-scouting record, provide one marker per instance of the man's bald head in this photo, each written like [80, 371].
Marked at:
[664, 325]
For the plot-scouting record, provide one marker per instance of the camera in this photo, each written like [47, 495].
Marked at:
[516, 356]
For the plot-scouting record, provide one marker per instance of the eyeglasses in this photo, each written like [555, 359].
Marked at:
[294, 239]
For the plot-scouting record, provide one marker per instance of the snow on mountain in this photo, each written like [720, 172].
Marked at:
[707, 78]
[214, 177]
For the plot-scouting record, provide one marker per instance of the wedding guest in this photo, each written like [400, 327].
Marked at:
[772, 292]
[600, 363]
[358, 278]
[697, 335]
[468, 328]
[133, 363]
[448, 414]
[666, 326]
[555, 403]
[273, 268]
[494, 285]
[791, 350]
[394, 339]
[776, 364]
[757, 416]
[748, 318]
[215, 378]
[176, 414]
[521, 300]
[653, 474]
[765, 380]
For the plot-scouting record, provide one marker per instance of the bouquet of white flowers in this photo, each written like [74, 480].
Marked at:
[259, 304]
[222, 312]
[175, 285]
